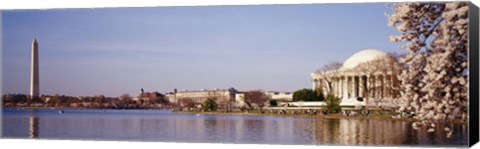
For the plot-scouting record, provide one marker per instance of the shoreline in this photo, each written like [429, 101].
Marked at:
[319, 116]
[78, 108]
[236, 113]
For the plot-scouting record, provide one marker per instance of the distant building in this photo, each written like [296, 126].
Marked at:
[239, 99]
[281, 96]
[199, 96]
[149, 96]
[272, 95]
[171, 97]
[231, 95]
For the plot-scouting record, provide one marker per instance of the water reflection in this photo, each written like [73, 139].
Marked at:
[360, 132]
[33, 131]
[382, 132]
[171, 127]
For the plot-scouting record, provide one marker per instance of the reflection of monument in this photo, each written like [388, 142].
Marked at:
[33, 126]
[34, 82]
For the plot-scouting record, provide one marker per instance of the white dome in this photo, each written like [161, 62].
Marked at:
[361, 57]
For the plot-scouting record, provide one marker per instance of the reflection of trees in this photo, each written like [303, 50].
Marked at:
[211, 127]
[361, 132]
[332, 127]
[33, 126]
[411, 135]
[254, 130]
[326, 131]
[382, 132]
[439, 136]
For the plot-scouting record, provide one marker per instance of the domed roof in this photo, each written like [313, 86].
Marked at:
[361, 57]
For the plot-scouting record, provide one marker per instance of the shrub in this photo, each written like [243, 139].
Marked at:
[333, 104]
[273, 103]
[307, 95]
[210, 105]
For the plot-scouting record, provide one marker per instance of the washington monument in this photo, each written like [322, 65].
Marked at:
[34, 82]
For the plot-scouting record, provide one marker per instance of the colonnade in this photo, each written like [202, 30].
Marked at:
[353, 86]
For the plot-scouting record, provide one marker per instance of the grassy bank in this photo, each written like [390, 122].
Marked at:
[373, 116]
[289, 114]
[255, 112]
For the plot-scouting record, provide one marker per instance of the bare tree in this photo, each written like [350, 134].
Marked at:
[125, 97]
[215, 95]
[187, 102]
[328, 73]
[225, 104]
[396, 70]
[258, 98]
[221, 98]
[370, 70]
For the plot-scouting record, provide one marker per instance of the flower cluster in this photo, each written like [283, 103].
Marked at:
[434, 80]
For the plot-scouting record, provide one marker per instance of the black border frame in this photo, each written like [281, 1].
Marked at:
[473, 74]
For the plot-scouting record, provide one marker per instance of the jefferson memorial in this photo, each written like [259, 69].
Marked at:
[368, 71]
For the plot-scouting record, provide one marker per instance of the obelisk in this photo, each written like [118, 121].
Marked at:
[34, 82]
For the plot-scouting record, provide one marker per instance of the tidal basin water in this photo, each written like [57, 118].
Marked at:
[165, 126]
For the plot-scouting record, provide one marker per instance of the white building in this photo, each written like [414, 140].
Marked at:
[281, 96]
[240, 99]
[272, 95]
[199, 96]
[368, 71]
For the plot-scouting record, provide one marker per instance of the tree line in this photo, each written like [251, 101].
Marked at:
[124, 101]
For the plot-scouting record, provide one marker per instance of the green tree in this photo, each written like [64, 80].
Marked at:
[307, 95]
[273, 103]
[320, 96]
[332, 103]
[210, 105]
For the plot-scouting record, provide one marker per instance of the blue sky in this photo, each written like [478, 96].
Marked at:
[112, 51]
